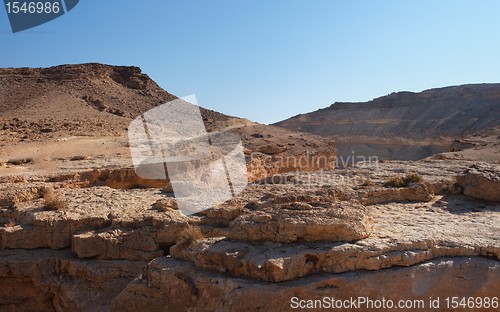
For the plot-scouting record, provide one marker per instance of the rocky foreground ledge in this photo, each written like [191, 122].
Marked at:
[400, 230]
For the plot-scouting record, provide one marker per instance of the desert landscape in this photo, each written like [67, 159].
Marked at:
[82, 231]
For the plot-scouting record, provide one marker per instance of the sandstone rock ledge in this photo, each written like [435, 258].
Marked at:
[173, 285]
[336, 234]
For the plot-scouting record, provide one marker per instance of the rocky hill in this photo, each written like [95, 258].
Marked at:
[76, 104]
[84, 98]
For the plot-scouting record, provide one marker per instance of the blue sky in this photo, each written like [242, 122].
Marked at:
[269, 60]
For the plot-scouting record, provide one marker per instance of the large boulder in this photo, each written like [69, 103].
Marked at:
[297, 221]
[481, 181]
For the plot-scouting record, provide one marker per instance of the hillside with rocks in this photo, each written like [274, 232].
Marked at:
[80, 230]
[75, 99]
[84, 110]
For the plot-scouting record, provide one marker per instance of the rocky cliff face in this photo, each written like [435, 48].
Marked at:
[180, 286]
[306, 236]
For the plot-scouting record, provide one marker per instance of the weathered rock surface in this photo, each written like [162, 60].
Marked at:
[117, 244]
[301, 221]
[481, 181]
[296, 234]
[403, 235]
[50, 280]
[174, 285]
[418, 192]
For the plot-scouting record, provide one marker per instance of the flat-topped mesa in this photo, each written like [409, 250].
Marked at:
[448, 112]
[81, 71]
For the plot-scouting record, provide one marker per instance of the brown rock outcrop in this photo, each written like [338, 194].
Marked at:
[117, 244]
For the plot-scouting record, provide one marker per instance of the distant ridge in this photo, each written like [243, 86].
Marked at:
[447, 112]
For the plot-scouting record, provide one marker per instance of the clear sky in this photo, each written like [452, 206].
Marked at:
[270, 60]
